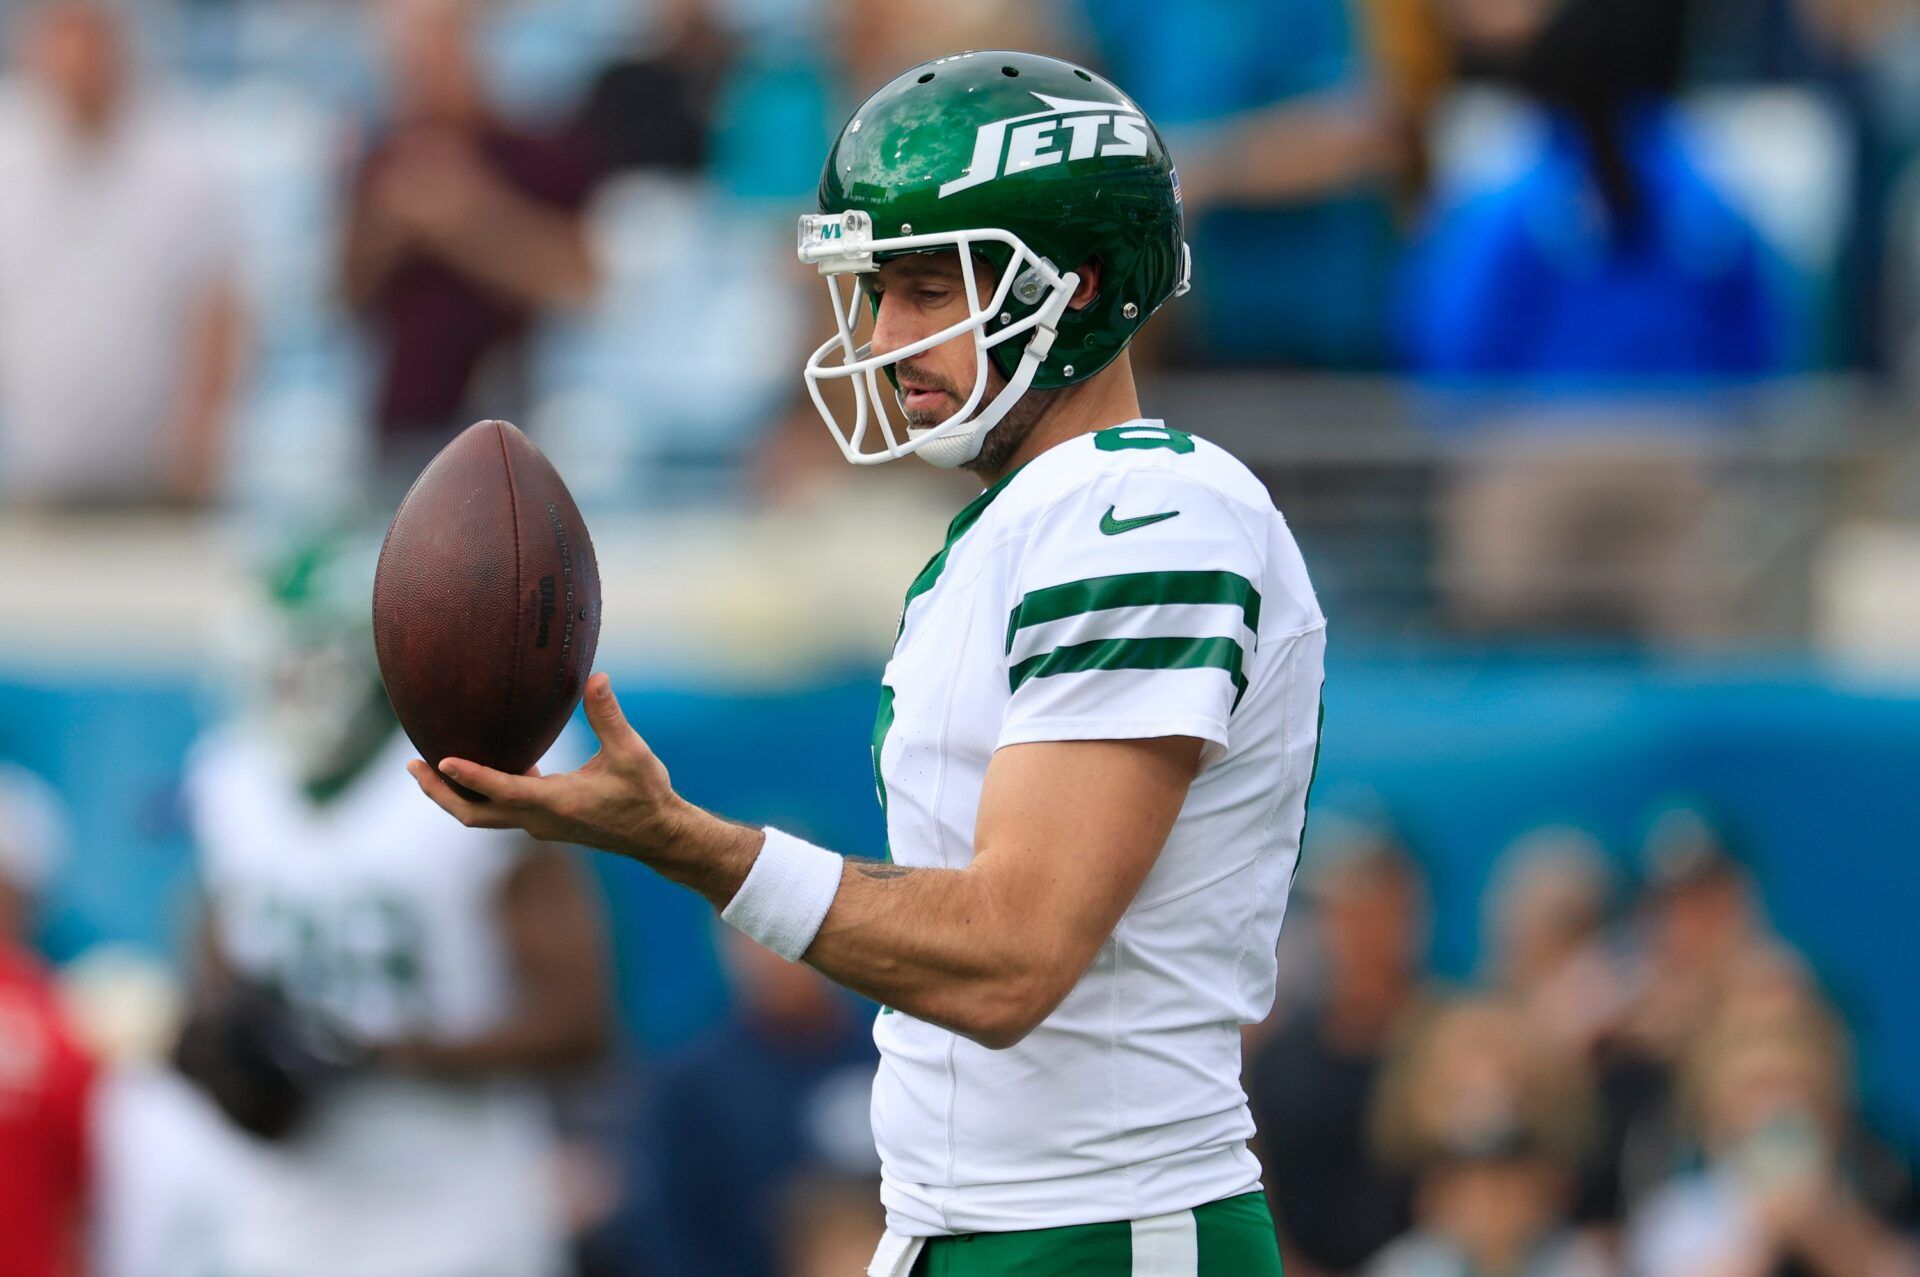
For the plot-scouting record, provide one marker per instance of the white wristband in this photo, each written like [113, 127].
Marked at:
[786, 895]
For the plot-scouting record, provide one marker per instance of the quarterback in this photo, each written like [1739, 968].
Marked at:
[1096, 732]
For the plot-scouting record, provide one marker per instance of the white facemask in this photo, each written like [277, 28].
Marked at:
[843, 244]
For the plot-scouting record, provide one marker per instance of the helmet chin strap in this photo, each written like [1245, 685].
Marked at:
[955, 444]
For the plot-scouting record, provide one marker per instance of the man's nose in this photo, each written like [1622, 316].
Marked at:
[893, 327]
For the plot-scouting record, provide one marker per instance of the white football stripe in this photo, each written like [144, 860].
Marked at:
[1155, 620]
[1166, 1246]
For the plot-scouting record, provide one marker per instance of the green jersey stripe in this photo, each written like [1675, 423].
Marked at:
[1134, 589]
[1137, 654]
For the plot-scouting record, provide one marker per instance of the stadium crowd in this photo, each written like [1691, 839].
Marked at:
[326, 235]
[402, 214]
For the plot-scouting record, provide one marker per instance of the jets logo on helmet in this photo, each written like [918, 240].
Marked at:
[1034, 139]
[919, 168]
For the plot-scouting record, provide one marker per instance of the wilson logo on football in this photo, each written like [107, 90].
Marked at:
[1067, 130]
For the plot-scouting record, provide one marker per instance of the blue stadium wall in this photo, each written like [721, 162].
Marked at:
[1464, 753]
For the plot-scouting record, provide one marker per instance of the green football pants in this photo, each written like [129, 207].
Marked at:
[1230, 1238]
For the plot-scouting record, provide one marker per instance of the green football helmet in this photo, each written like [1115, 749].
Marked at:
[315, 683]
[1033, 164]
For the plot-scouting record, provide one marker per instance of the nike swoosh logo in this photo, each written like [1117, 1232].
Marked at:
[1114, 527]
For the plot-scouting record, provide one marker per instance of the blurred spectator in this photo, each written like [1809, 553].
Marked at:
[1287, 151]
[1414, 50]
[777, 1093]
[120, 339]
[1587, 521]
[1548, 951]
[1698, 921]
[1545, 936]
[1792, 1187]
[830, 1225]
[1607, 261]
[654, 110]
[1610, 255]
[1311, 1084]
[463, 230]
[1493, 1121]
[1859, 62]
[1703, 916]
[46, 1077]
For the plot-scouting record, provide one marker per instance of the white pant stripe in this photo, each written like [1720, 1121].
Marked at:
[896, 1255]
[1166, 1246]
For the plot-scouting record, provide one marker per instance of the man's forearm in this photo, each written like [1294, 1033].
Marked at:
[988, 951]
[213, 360]
[533, 254]
[936, 944]
[1300, 150]
[929, 942]
[1843, 1238]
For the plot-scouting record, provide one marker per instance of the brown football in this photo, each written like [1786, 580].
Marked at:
[486, 603]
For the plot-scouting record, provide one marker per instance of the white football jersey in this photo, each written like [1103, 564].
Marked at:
[381, 912]
[1127, 584]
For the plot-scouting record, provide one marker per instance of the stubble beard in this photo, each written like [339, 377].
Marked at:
[1012, 430]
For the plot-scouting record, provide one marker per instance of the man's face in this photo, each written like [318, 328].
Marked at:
[74, 49]
[919, 295]
[1370, 922]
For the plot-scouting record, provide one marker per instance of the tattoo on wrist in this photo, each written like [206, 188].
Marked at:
[881, 870]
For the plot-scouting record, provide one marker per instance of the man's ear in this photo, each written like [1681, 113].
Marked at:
[1089, 287]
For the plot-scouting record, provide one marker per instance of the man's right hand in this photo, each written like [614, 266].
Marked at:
[621, 800]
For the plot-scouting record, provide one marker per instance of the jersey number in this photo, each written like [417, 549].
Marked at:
[1123, 438]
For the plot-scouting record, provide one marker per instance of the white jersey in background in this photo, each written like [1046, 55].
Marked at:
[1127, 584]
[378, 911]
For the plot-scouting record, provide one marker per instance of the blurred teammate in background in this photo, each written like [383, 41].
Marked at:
[462, 230]
[1097, 730]
[46, 1077]
[120, 318]
[459, 968]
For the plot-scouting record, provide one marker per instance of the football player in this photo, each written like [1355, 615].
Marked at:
[384, 989]
[1097, 730]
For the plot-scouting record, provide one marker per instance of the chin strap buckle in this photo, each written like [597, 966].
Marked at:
[1028, 287]
[1047, 326]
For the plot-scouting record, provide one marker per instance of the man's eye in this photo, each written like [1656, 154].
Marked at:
[933, 296]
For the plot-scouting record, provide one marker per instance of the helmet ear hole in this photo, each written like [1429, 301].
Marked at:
[1092, 275]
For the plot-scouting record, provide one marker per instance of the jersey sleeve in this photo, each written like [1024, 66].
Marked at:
[1133, 614]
